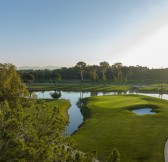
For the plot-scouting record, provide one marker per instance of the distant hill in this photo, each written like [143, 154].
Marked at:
[37, 67]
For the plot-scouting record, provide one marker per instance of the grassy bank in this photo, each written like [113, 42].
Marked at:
[111, 124]
[155, 88]
[62, 104]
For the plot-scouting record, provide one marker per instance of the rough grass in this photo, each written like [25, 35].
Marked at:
[110, 124]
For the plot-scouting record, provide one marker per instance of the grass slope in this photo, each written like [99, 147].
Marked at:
[113, 125]
[62, 104]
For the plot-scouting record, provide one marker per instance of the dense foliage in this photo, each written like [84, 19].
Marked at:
[12, 89]
[37, 136]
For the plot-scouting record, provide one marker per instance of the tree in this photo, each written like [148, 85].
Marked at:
[28, 77]
[11, 128]
[117, 72]
[13, 96]
[36, 137]
[56, 95]
[126, 71]
[114, 156]
[93, 72]
[45, 140]
[81, 66]
[12, 89]
[56, 77]
[103, 67]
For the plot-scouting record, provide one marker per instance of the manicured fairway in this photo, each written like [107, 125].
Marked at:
[110, 124]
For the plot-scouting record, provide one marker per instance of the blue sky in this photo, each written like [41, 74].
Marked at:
[63, 32]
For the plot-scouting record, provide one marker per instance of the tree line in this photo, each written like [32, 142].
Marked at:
[118, 73]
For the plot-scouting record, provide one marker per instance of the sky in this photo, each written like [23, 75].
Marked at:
[64, 32]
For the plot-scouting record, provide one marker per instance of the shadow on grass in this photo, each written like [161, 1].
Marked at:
[142, 159]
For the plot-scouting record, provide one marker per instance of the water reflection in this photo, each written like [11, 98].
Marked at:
[93, 93]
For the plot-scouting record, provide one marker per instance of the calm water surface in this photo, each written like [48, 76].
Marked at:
[143, 111]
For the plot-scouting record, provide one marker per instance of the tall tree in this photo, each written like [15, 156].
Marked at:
[126, 71]
[93, 72]
[103, 67]
[56, 77]
[13, 96]
[117, 72]
[81, 66]
[28, 77]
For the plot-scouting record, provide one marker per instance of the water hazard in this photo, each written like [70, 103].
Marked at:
[144, 111]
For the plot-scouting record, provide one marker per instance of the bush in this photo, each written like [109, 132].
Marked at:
[55, 95]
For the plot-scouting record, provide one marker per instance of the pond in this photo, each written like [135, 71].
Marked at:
[75, 116]
[144, 111]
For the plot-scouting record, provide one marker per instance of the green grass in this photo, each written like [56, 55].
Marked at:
[109, 124]
[80, 87]
[149, 89]
[62, 104]
[98, 86]
[157, 88]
